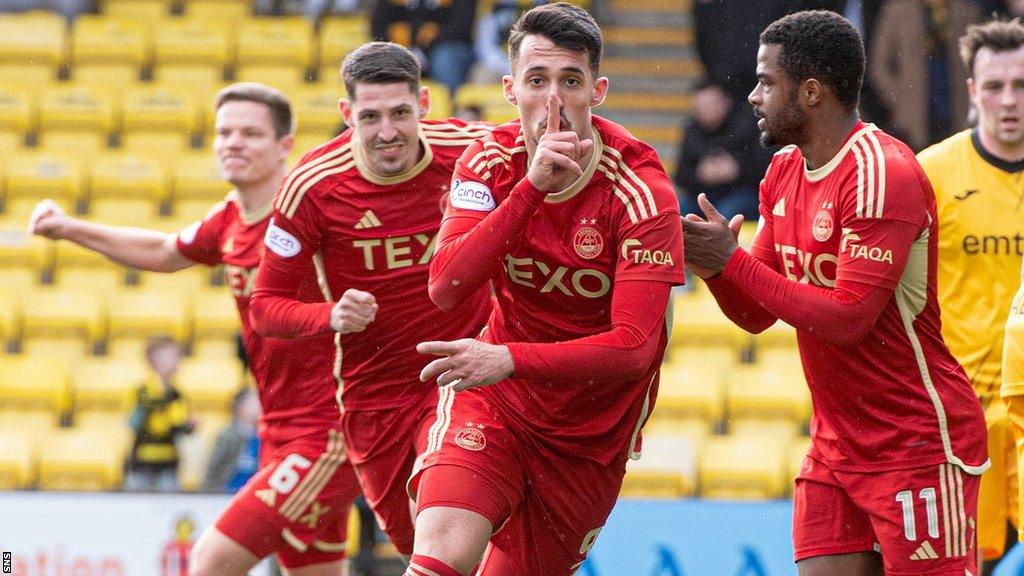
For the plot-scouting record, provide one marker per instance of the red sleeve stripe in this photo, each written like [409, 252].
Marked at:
[303, 178]
[870, 176]
[628, 187]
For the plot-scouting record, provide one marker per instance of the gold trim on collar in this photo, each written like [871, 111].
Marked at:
[588, 173]
[364, 168]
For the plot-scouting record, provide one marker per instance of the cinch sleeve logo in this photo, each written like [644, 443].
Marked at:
[471, 196]
[188, 235]
[280, 242]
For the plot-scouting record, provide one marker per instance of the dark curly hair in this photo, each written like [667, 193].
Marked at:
[822, 45]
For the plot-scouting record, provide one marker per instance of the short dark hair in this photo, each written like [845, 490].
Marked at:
[822, 45]
[380, 63]
[568, 26]
[996, 35]
[280, 108]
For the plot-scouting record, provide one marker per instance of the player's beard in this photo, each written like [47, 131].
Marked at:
[787, 126]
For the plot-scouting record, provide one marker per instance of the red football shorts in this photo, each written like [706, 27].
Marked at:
[297, 504]
[547, 507]
[923, 520]
[383, 446]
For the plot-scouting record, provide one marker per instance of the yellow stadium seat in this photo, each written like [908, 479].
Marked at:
[144, 10]
[192, 210]
[107, 384]
[31, 77]
[80, 459]
[305, 143]
[10, 315]
[742, 467]
[210, 383]
[108, 79]
[127, 348]
[194, 450]
[340, 35]
[19, 249]
[195, 42]
[787, 359]
[68, 255]
[780, 335]
[34, 383]
[102, 280]
[666, 469]
[69, 349]
[126, 176]
[216, 314]
[285, 77]
[18, 279]
[768, 392]
[316, 107]
[275, 41]
[215, 347]
[187, 282]
[197, 176]
[123, 212]
[161, 147]
[149, 313]
[34, 422]
[49, 311]
[697, 318]
[17, 110]
[76, 108]
[38, 37]
[440, 101]
[782, 429]
[114, 425]
[11, 143]
[490, 98]
[160, 109]
[104, 39]
[203, 80]
[38, 175]
[690, 390]
[84, 146]
[17, 460]
[225, 10]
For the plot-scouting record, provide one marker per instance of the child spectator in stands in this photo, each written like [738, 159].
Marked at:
[720, 155]
[161, 415]
[235, 455]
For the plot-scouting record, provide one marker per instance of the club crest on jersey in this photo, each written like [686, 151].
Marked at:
[471, 196]
[588, 241]
[280, 242]
[822, 226]
[471, 437]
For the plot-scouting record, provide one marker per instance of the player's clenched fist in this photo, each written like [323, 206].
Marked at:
[556, 162]
[48, 219]
[354, 312]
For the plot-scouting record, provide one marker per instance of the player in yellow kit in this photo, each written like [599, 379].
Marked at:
[978, 177]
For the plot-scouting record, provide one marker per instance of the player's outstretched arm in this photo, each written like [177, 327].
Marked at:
[135, 247]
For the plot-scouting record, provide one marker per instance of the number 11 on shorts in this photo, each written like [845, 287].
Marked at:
[906, 499]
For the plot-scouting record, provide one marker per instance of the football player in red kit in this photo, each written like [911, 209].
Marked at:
[577, 225]
[846, 254]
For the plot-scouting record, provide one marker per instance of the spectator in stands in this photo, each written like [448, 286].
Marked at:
[727, 32]
[160, 416]
[439, 33]
[235, 455]
[915, 68]
[69, 8]
[720, 155]
[491, 40]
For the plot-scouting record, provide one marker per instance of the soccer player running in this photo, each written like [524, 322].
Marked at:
[297, 503]
[976, 177]
[576, 224]
[846, 254]
[364, 209]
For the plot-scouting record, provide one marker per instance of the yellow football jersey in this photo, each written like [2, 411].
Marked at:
[981, 239]
[1013, 348]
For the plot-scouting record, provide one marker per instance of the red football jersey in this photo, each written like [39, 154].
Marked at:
[375, 234]
[620, 221]
[293, 377]
[898, 399]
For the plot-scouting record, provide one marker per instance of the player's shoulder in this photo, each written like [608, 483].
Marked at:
[620, 142]
[637, 175]
[940, 152]
[449, 138]
[228, 207]
[333, 161]
[496, 151]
